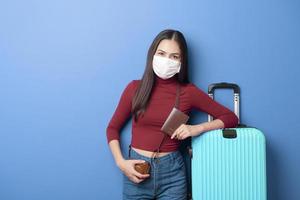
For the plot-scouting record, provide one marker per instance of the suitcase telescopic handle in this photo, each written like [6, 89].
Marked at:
[236, 96]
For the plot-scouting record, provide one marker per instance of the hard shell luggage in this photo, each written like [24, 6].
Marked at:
[230, 163]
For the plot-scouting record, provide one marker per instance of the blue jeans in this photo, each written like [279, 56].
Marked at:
[167, 179]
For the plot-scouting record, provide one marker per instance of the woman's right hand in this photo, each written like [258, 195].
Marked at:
[127, 167]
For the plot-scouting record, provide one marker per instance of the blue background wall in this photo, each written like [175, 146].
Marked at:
[64, 64]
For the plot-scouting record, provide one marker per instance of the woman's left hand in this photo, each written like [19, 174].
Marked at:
[184, 131]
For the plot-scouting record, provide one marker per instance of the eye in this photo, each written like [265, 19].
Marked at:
[176, 57]
[160, 53]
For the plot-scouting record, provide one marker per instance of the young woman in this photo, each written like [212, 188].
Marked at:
[149, 101]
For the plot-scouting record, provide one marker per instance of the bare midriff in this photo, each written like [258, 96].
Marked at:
[150, 153]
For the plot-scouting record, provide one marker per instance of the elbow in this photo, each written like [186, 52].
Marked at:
[112, 134]
[230, 120]
[235, 120]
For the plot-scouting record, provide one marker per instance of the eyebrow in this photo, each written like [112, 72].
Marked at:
[165, 52]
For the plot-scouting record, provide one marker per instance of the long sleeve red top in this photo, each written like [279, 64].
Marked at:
[146, 133]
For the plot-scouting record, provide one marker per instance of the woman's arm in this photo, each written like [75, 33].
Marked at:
[223, 117]
[120, 116]
[114, 146]
[202, 102]
[207, 126]
[186, 130]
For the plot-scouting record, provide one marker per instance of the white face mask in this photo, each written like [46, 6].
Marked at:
[165, 67]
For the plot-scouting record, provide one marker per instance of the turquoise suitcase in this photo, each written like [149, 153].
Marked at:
[230, 163]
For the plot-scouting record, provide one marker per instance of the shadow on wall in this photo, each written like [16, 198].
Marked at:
[273, 170]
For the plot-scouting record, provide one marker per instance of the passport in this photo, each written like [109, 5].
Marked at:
[173, 121]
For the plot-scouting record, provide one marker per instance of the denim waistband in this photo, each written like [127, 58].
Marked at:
[167, 157]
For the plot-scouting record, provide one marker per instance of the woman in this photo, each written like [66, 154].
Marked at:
[149, 101]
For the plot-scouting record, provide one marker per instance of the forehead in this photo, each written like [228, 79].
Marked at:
[169, 46]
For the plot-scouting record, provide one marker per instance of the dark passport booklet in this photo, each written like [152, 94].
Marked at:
[174, 120]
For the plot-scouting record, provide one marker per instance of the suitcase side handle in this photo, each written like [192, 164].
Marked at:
[236, 96]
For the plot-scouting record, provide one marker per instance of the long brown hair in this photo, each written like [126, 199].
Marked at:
[143, 92]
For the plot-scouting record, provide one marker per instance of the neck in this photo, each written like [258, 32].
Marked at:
[171, 80]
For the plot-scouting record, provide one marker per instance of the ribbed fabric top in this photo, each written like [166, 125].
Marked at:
[146, 133]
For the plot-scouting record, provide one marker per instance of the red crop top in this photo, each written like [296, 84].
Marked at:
[146, 133]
